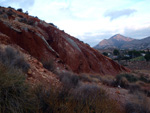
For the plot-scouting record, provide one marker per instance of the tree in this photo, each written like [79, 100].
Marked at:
[104, 53]
[147, 57]
[134, 53]
[116, 52]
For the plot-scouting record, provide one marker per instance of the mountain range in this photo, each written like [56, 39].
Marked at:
[119, 41]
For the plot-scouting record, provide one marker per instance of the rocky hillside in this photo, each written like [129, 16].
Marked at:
[115, 41]
[45, 42]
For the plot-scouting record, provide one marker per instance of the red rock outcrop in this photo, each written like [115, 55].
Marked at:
[44, 41]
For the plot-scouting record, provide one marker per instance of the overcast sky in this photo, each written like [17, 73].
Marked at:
[91, 20]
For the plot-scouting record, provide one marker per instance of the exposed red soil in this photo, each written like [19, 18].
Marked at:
[44, 42]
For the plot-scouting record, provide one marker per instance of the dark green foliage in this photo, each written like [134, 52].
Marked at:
[104, 53]
[15, 96]
[10, 12]
[144, 79]
[26, 13]
[134, 53]
[13, 58]
[20, 10]
[129, 77]
[116, 52]
[147, 57]
[11, 7]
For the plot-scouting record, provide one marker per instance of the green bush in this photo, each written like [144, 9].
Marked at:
[20, 10]
[15, 95]
[147, 57]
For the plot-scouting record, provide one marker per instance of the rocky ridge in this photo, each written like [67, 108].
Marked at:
[44, 41]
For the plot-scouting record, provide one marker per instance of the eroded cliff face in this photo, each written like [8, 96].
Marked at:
[44, 42]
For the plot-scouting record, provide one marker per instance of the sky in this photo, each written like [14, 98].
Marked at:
[91, 20]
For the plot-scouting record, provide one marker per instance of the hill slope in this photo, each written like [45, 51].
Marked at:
[46, 42]
[138, 44]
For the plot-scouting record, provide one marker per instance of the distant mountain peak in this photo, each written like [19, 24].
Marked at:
[115, 41]
[120, 37]
[121, 42]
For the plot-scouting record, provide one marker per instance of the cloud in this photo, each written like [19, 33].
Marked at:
[118, 13]
[18, 3]
[94, 38]
[138, 33]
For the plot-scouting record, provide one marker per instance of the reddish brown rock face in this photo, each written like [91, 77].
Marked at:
[44, 42]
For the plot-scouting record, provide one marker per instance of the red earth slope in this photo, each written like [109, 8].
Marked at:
[44, 42]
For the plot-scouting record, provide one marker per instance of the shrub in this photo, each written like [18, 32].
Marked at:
[85, 78]
[108, 80]
[26, 13]
[11, 7]
[10, 12]
[140, 104]
[15, 95]
[49, 64]
[69, 80]
[84, 99]
[30, 21]
[92, 99]
[12, 58]
[104, 53]
[20, 10]
[133, 88]
[129, 77]
[144, 79]
[147, 57]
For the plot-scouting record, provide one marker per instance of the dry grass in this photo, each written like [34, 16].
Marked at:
[12, 58]
[15, 94]
[84, 99]
[138, 104]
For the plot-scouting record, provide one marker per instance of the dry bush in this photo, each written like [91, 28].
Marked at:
[84, 99]
[139, 104]
[85, 78]
[12, 58]
[49, 64]
[69, 79]
[15, 94]
[108, 80]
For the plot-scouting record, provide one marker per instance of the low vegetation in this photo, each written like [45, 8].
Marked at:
[83, 99]
[49, 64]
[15, 94]
[138, 104]
[78, 94]
[12, 58]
